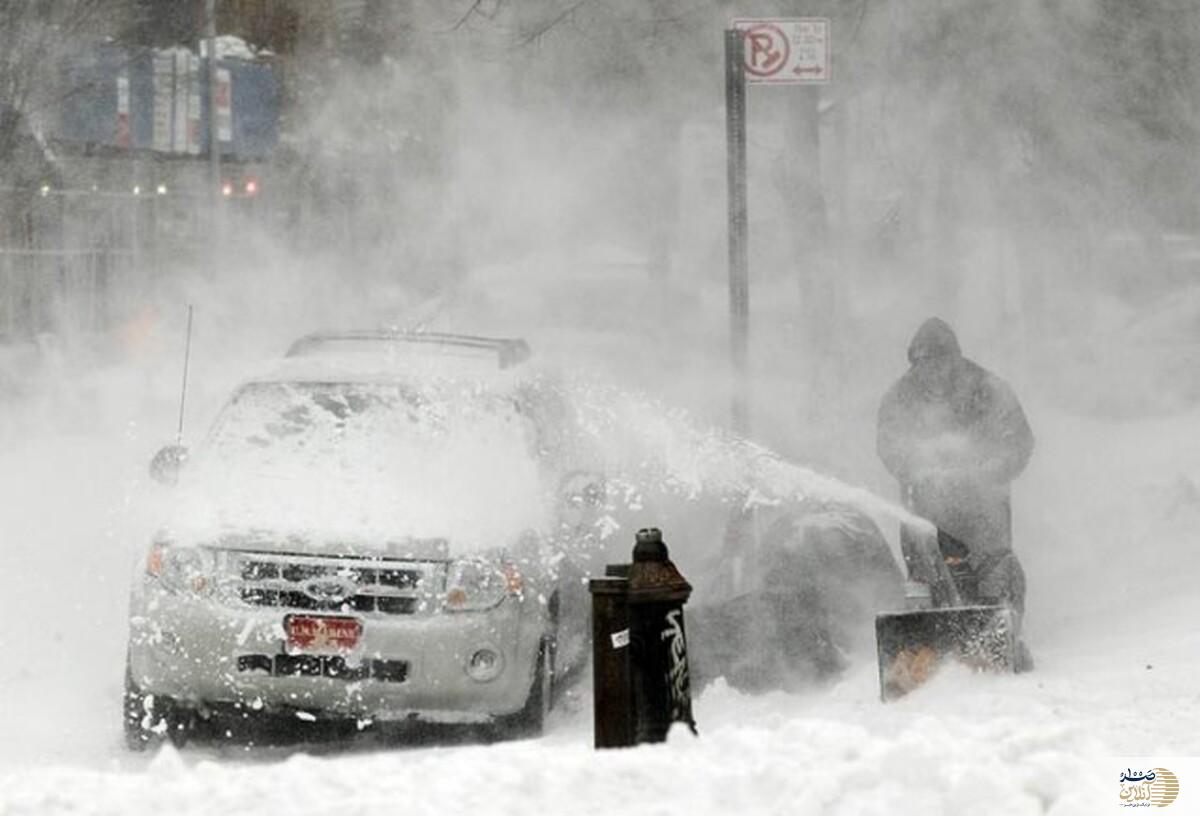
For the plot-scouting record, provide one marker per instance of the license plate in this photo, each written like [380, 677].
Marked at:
[321, 634]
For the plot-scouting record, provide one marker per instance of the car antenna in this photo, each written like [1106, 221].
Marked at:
[187, 354]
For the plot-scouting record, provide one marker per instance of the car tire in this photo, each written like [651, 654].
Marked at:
[149, 718]
[530, 721]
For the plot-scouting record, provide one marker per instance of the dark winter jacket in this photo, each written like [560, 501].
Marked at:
[954, 436]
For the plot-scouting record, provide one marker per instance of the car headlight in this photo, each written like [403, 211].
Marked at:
[182, 569]
[476, 585]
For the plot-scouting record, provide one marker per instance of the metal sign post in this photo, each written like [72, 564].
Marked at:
[739, 263]
[214, 142]
[214, 138]
[760, 52]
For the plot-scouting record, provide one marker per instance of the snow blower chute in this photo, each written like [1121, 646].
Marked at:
[945, 620]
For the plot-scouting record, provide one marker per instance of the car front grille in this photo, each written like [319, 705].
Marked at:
[333, 584]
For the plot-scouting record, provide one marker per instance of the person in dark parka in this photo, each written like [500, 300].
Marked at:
[954, 435]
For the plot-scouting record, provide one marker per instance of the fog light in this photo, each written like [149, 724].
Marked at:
[485, 665]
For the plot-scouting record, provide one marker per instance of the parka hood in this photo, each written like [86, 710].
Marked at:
[934, 339]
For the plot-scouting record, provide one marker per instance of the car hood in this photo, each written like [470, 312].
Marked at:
[324, 542]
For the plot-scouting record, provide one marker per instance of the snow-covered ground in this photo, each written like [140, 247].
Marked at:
[1106, 521]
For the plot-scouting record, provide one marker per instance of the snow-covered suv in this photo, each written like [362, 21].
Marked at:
[371, 531]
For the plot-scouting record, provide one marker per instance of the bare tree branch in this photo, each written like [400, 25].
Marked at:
[541, 30]
[467, 15]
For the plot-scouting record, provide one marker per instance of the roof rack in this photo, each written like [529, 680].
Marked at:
[509, 351]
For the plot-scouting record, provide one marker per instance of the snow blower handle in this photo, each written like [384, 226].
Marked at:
[924, 563]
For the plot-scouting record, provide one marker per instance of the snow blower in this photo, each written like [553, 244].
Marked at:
[946, 620]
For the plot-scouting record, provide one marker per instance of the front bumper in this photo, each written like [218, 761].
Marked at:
[202, 652]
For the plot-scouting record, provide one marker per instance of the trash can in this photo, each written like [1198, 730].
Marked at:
[613, 706]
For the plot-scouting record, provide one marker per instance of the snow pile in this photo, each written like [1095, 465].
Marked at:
[769, 754]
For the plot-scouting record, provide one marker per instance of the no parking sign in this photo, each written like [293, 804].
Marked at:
[785, 51]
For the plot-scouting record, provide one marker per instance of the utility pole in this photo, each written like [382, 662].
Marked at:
[214, 131]
[739, 266]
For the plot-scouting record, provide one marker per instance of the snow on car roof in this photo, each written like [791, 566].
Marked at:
[503, 351]
[354, 367]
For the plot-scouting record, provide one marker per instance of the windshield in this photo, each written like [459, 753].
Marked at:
[267, 421]
[378, 458]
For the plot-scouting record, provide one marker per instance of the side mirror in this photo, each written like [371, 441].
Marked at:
[166, 464]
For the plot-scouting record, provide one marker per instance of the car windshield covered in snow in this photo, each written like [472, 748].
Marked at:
[371, 456]
[307, 420]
